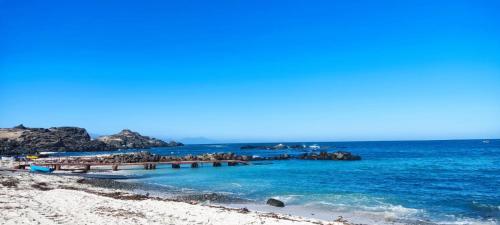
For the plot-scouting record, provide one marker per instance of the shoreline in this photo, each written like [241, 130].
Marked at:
[394, 215]
[178, 194]
[47, 199]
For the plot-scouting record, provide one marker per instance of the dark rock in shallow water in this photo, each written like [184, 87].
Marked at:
[330, 156]
[297, 146]
[265, 147]
[275, 202]
[254, 147]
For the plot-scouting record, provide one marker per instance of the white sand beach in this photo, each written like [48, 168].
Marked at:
[47, 199]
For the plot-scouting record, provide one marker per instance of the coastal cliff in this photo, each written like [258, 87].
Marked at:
[129, 139]
[24, 140]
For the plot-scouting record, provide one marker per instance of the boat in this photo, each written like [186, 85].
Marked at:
[79, 171]
[48, 153]
[43, 169]
[32, 157]
[315, 146]
[8, 158]
[486, 141]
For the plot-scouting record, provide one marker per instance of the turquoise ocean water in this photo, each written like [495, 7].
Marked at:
[409, 182]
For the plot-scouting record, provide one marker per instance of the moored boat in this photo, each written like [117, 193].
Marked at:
[314, 147]
[8, 158]
[43, 169]
[32, 157]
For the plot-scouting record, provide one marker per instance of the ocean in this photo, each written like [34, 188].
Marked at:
[396, 182]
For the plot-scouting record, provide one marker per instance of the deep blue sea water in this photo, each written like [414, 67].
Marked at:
[448, 182]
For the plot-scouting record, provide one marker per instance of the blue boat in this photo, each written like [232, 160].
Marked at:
[42, 169]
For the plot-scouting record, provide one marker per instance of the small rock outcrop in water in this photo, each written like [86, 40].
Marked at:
[270, 147]
[330, 156]
[273, 147]
[275, 202]
[23, 140]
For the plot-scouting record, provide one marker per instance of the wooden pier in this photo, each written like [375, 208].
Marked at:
[147, 165]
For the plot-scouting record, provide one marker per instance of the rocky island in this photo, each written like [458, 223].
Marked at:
[24, 140]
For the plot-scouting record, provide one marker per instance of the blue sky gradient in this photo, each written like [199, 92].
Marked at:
[254, 70]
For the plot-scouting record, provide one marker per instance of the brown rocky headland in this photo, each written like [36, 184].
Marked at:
[24, 140]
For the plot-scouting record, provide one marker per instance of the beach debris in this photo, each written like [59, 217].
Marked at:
[9, 182]
[341, 219]
[42, 186]
[124, 196]
[275, 202]
[243, 210]
[80, 181]
[117, 212]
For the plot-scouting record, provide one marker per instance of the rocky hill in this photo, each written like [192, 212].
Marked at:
[129, 139]
[23, 140]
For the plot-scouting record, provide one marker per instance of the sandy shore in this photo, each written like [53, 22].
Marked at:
[47, 199]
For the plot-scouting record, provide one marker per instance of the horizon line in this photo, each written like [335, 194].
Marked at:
[408, 140]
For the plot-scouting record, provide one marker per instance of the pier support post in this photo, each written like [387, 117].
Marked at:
[216, 164]
[153, 166]
[115, 167]
[146, 166]
[194, 165]
[57, 167]
[87, 167]
[176, 165]
[150, 166]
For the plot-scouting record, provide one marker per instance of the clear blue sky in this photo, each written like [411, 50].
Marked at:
[254, 70]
